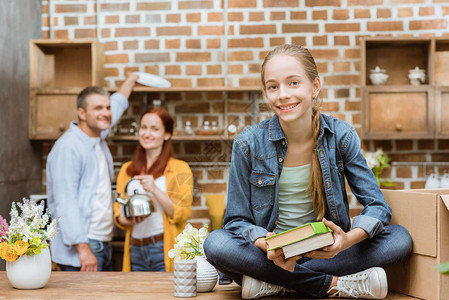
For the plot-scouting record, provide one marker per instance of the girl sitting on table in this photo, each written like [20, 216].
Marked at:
[168, 181]
[290, 170]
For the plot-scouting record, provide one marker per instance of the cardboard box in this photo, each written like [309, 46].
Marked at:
[425, 213]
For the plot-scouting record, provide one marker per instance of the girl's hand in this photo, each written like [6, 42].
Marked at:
[147, 181]
[277, 255]
[341, 242]
[130, 221]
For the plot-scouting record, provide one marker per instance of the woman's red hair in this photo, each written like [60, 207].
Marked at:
[138, 165]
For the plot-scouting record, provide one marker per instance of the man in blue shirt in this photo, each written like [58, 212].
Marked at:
[79, 175]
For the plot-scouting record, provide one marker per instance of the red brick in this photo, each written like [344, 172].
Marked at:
[439, 156]
[240, 55]
[173, 44]
[320, 40]
[173, 18]
[383, 13]
[152, 44]
[342, 40]
[443, 144]
[428, 24]
[90, 20]
[45, 22]
[193, 44]
[254, 68]
[69, 21]
[356, 119]
[193, 70]
[319, 15]
[322, 68]
[294, 28]
[246, 43]
[105, 32]
[277, 15]
[364, 2]
[332, 27]
[385, 26]
[280, 3]
[235, 69]
[352, 105]
[394, 2]
[312, 3]
[131, 45]
[362, 13]
[116, 59]
[277, 41]
[352, 53]
[233, 17]
[330, 106]
[193, 18]
[257, 29]
[61, 34]
[155, 6]
[256, 16]
[255, 81]
[200, 4]
[299, 40]
[213, 43]
[341, 80]
[242, 3]
[70, 8]
[340, 14]
[193, 56]
[210, 82]
[324, 53]
[298, 15]
[218, 17]
[108, 72]
[384, 145]
[109, 7]
[85, 33]
[445, 10]
[210, 30]
[173, 70]
[417, 184]
[404, 172]
[349, 105]
[111, 46]
[112, 19]
[214, 69]
[402, 145]
[132, 32]
[426, 145]
[132, 19]
[404, 12]
[152, 57]
[174, 30]
[418, 157]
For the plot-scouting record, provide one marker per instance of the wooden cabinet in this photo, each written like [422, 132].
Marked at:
[397, 109]
[59, 70]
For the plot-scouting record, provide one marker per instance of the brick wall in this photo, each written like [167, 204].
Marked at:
[222, 43]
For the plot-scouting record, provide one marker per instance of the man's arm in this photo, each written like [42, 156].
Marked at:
[127, 86]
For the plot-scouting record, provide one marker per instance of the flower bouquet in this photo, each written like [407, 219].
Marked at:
[189, 247]
[378, 161]
[24, 245]
[28, 233]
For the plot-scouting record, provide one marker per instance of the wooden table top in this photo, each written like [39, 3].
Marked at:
[118, 285]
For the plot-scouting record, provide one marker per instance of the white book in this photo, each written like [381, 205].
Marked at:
[309, 244]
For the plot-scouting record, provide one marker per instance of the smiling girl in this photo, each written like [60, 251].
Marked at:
[168, 181]
[290, 170]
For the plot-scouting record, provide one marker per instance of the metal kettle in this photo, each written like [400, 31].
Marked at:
[136, 205]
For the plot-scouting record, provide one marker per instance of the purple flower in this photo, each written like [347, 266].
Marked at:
[3, 229]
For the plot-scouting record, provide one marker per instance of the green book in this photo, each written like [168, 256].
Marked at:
[297, 234]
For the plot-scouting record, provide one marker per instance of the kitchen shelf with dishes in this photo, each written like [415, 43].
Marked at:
[405, 88]
[60, 69]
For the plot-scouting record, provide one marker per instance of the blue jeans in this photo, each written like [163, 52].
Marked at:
[103, 253]
[234, 256]
[148, 258]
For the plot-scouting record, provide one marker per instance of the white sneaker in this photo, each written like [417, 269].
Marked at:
[368, 284]
[253, 288]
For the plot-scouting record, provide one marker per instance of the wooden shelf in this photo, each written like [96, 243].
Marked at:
[140, 88]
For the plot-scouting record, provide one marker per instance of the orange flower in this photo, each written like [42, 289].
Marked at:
[2, 244]
[8, 253]
[20, 247]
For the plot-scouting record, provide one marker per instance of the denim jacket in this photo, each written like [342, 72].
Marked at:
[257, 159]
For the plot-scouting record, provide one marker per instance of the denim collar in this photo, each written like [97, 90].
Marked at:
[277, 134]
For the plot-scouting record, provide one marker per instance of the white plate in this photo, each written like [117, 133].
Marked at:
[152, 80]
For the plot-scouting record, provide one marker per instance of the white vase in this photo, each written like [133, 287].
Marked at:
[206, 275]
[30, 272]
[184, 278]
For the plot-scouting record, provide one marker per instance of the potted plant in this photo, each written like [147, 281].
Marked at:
[24, 245]
[378, 161]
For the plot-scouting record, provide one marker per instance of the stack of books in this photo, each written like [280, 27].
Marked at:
[301, 239]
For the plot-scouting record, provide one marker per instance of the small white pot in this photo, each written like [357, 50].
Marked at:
[30, 272]
[206, 275]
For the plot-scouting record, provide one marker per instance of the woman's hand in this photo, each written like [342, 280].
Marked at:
[342, 241]
[131, 221]
[147, 181]
[277, 255]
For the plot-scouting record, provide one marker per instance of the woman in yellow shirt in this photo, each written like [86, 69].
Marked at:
[169, 182]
